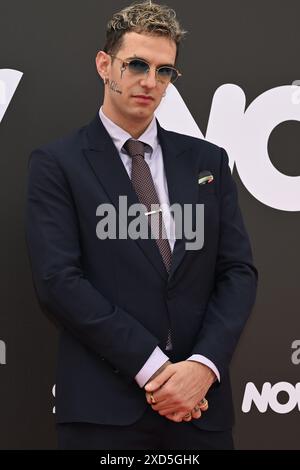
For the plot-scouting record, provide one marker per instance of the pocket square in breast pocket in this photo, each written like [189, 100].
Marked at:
[205, 177]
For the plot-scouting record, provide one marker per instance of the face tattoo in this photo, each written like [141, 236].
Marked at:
[113, 86]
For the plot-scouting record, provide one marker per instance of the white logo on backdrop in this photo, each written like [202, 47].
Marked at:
[268, 397]
[53, 394]
[9, 81]
[244, 133]
[2, 352]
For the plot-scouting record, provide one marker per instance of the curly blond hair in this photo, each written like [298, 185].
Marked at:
[143, 17]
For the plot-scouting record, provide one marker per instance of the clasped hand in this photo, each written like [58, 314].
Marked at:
[178, 391]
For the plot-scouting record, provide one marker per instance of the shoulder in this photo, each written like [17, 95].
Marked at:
[63, 147]
[199, 147]
[58, 159]
[193, 141]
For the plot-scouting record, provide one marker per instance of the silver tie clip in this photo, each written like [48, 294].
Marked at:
[153, 212]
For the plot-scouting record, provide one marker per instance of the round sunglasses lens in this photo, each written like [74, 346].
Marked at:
[138, 66]
[167, 74]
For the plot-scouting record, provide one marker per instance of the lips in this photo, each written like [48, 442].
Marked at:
[143, 97]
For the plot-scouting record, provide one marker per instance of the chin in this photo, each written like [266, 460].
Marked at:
[142, 114]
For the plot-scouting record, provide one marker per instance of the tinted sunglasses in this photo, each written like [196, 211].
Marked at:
[164, 73]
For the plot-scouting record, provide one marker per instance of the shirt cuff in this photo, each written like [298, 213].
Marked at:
[206, 362]
[153, 363]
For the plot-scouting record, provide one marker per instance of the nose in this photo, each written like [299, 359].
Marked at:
[149, 79]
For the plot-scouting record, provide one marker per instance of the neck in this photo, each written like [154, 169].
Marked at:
[134, 127]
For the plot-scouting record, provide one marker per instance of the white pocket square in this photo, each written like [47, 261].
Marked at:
[205, 177]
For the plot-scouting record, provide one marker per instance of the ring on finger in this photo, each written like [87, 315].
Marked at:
[152, 398]
[203, 404]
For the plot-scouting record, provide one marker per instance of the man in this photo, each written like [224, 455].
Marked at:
[148, 324]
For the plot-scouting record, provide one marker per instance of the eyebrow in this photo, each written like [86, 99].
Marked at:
[141, 58]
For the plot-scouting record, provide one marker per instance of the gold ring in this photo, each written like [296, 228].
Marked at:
[203, 403]
[152, 398]
[188, 415]
[196, 408]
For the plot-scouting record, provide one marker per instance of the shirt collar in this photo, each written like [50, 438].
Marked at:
[120, 136]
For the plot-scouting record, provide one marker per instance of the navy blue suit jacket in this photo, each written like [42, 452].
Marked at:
[113, 299]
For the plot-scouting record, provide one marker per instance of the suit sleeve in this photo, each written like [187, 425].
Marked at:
[235, 280]
[52, 233]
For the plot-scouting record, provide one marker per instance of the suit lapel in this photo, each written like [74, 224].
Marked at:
[107, 165]
[180, 168]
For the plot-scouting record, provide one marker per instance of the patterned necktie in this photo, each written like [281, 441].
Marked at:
[143, 184]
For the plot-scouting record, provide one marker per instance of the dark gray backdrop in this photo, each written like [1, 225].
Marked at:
[250, 43]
